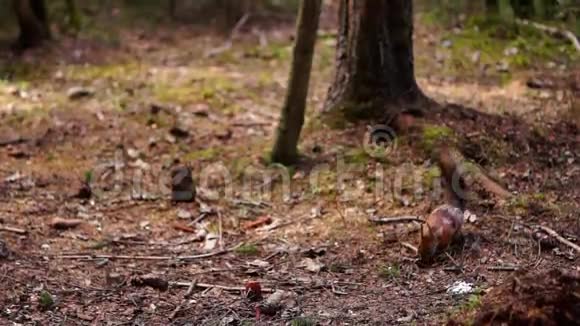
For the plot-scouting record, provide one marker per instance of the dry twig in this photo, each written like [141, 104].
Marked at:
[12, 229]
[558, 237]
[216, 286]
[395, 219]
[410, 247]
[185, 297]
[133, 257]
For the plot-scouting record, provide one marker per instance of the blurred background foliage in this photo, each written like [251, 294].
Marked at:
[489, 26]
[228, 12]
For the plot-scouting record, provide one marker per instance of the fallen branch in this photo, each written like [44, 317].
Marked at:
[215, 286]
[12, 229]
[133, 257]
[395, 219]
[464, 166]
[185, 297]
[558, 237]
[406, 122]
[546, 229]
[552, 30]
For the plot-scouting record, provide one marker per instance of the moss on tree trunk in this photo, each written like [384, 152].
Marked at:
[374, 59]
[285, 146]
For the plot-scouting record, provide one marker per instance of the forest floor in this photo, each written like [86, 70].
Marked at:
[122, 116]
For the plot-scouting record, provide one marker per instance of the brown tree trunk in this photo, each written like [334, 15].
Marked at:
[33, 22]
[374, 59]
[285, 147]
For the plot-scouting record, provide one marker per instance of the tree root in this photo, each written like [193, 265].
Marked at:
[452, 157]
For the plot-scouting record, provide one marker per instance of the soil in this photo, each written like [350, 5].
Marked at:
[173, 97]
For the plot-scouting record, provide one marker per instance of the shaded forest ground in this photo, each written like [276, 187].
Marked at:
[81, 109]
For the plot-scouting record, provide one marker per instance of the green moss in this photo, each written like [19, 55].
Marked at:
[357, 156]
[247, 249]
[89, 73]
[539, 196]
[390, 272]
[170, 93]
[203, 154]
[491, 36]
[302, 321]
[247, 323]
[430, 176]
[473, 302]
[239, 166]
[45, 300]
[435, 135]
[521, 201]
[325, 185]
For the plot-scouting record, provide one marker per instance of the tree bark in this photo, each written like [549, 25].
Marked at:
[33, 22]
[285, 149]
[374, 59]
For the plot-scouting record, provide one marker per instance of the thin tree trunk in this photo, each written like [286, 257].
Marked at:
[172, 8]
[285, 147]
[539, 8]
[33, 22]
[74, 15]
[374, 59]
[506, 11]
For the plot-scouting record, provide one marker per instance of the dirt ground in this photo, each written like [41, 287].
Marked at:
[122, 116]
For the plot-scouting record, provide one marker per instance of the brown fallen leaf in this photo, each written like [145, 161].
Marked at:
[63, 224]
[258, 222]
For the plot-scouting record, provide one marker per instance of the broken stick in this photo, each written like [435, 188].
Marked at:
[12, 229]
[560, 238]
[215, 286]
[396, 219]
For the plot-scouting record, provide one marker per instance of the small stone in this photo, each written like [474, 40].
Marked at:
[133, 153]
[75, 93]
[510, 51]
[446, 43]
[475, 56]
[184, 214]
[140, 164]
[4, 251]
[170, 139]
[182, 187]
[502, 66]
[312, 265]
[114, 279]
